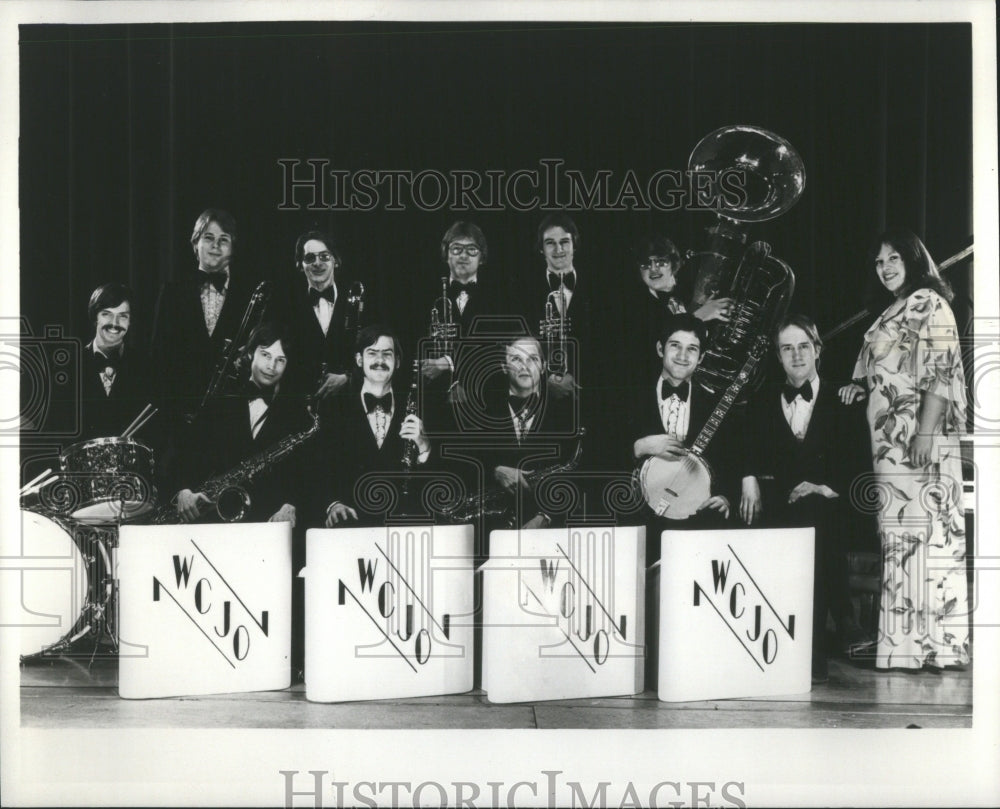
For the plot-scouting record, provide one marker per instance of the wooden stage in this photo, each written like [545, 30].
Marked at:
[65, 693]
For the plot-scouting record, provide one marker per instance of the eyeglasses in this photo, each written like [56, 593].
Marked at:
[661, 264]
[469, 249]
[311, 258]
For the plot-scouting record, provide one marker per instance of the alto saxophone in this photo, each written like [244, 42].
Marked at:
[228, 491]
[498, 502]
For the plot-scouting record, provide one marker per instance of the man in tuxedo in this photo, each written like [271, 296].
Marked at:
[243, 423]
[323, 319]
[468, 295]
[370, 431]
[803, 450]
[669, 415]
[113, 388]
[531, 430]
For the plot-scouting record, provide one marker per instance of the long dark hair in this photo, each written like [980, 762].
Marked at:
[921, 271]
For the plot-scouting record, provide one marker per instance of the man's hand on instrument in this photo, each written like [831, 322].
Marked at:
[750, 502]
[189, 504]
[715, 309]
[413, 430]
[284, 514]
[337, 512]
[456, 394]
[538, 521]
[561, 385]
[716, 503]
[510, 478]
[433, 368]
[805, 488]
[332, 384]
[664, 445]
[849, 394]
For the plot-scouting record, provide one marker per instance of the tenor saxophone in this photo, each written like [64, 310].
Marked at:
[228, 491]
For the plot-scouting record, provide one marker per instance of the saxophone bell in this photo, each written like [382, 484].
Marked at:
[232, 503]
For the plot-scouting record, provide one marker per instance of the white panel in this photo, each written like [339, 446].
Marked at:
[388, 612]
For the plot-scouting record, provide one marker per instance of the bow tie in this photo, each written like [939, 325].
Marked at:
[315, 295]
[383, 403]
[523, 404]
[789, 392]
[110, 360]
[567, 279]
[216, 279]
[681, 391]
[456, 287]
[253, 392]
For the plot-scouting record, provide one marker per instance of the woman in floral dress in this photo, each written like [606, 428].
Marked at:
[910, 367]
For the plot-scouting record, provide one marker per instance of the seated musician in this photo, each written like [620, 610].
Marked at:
[669, 416]
[534, 430]
[114, 386]
[369, 431]
[245, 422]
[803, 448]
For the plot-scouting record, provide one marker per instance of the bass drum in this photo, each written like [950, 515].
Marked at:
[64, 584]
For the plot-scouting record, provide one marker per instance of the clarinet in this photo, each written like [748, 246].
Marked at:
[410, 449]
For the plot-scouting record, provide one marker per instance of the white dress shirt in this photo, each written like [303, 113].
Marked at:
[798, 412]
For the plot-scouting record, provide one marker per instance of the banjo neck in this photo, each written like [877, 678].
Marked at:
[714, 421]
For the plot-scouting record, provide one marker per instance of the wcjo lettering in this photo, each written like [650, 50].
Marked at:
[746, 610]
[395, 593]
[208, 600]
[576, 587]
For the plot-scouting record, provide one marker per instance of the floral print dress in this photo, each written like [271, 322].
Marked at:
[913, 349]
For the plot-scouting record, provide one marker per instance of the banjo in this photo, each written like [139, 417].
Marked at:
[675, 488]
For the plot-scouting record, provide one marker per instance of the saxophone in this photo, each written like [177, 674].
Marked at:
[228, 491]
[498, 502]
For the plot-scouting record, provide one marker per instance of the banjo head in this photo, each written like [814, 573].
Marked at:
[674, 489]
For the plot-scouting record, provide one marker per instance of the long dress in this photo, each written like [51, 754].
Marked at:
[913, 349]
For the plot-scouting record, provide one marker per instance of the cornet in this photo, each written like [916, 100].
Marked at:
[554, 329]
[444, 329]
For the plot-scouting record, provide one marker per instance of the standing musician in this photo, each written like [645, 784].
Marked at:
[670, 414]
[532, 422]
[805, 447]
[369, 431]
[324, 320]
[466, 296]
[243, 423]
[197, 312]
[114, 386]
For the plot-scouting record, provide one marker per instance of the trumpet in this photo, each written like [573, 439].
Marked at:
[356, 302]
[227, 369]
[444, 329]
[554, 329]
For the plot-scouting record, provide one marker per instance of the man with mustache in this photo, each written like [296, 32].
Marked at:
[369, 432]
[114, 385]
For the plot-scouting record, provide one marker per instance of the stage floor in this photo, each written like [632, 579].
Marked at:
[65, 693]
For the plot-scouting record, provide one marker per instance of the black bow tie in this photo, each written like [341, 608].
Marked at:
[789, 392]
[567, 279]
[382, 402]
[681, 391]
[456, 287]
[216, 279]
[110, 360]
[523, 405]
[253, 392]
[315, 295]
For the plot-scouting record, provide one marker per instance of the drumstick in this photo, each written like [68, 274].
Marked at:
[35, 480]
[142, 423]
[139, 420]
[26, 491]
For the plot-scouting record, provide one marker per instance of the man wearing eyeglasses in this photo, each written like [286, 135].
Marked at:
[467, 296]
[323, 320]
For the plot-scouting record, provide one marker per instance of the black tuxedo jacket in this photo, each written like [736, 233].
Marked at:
[313, 349]
[108, 414]
[184, 354]
[222, 438]
[831, 452]
[724, 452]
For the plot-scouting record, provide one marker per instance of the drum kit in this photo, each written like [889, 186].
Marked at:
[69, 539]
